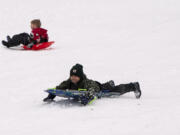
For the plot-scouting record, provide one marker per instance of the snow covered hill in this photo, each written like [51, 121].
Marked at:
[124, 40]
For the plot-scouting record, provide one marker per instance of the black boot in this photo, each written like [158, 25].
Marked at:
[8, 38]
[49, 98]
[11, 43]
[16, 40]
[5, 43]
[137, 91]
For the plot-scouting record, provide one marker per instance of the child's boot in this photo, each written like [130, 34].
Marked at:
[5, 43]
[137, 91]
[8, 38]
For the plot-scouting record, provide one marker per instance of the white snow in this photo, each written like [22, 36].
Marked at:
[124, 40]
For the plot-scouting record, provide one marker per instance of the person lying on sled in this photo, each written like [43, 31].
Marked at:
[78, 80]
[38, 35]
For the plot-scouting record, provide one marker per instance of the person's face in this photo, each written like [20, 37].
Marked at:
[33, 26]
[75, 79]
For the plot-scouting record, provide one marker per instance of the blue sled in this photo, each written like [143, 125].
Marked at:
[76, 94]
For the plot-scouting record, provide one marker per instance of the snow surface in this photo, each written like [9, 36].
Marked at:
[124, 40]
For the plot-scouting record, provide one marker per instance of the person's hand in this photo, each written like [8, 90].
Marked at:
[87, 99]
[84, 100]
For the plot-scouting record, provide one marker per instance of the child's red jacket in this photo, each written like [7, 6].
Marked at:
[39, 33]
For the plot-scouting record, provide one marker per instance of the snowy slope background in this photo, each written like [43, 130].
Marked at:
[124, 40]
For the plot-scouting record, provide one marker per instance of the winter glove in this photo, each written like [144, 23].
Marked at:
[84, 100]
[87, 99]
[49, 98]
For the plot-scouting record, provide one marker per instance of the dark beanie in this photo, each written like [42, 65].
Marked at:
[77, 70]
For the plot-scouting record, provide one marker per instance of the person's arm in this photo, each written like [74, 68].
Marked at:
[43, 40]
[35, 39]
[89, 97]
[44, 37]
[92, 87]
[40, 40]
[63, 86]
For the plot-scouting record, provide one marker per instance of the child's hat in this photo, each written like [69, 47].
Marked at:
[77, 70]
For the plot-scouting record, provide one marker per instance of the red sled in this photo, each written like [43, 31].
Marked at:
[39, 46]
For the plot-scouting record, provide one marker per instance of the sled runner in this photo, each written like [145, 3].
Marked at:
[39, 46]
[77, 93]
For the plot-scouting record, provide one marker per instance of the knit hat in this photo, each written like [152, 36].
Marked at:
[77, 70]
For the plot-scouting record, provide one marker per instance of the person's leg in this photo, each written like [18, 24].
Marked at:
[125, 88]
[108, 85]
[24, 38]
[16, 40]
[10, 43]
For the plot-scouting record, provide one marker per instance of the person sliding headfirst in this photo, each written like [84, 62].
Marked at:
[78, 80]
[38, 35]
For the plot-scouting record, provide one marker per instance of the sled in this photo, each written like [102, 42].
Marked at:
[75, 94]
[39, 46]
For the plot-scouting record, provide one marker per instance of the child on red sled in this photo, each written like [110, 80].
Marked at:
[38, 35]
